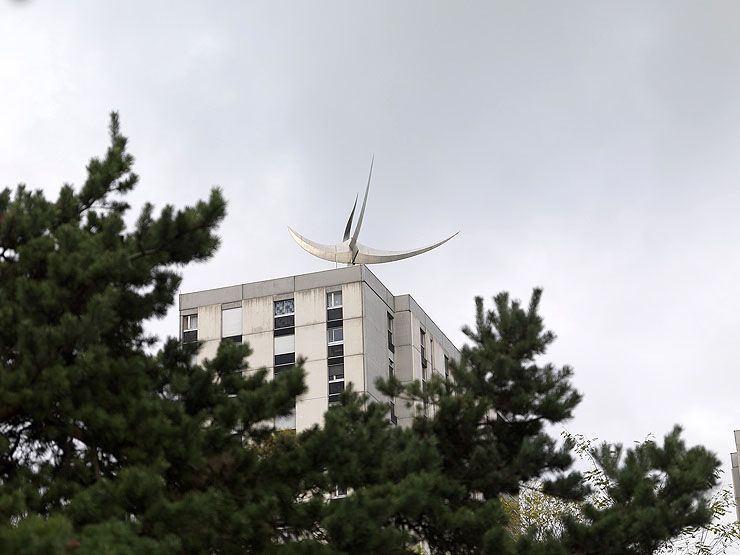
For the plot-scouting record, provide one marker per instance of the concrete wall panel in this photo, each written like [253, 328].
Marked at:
[310, 412]
[261, 344]
[328, 277]
[317, 380]
[310, 307]
[352, 337]
[268, 288]
[258, 315]
[354, 372]
[209, 322]
[403, 359]
[211, 296]
[208, 350]
[352, 300]
[402, 328]
[310, 342]
[375, 336]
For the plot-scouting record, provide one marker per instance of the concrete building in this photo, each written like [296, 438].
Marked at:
[346, 324]
[736, 472]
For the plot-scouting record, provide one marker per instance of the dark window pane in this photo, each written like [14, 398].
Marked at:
[334, 399]
[335, 323]
[335, 361]
[336, 387]
[284, 322]
[189, 336]
[284, 331]
[336, 351]
[280, 369]
[334, 314]
[287, 358]
[336, 371]
[234, 338]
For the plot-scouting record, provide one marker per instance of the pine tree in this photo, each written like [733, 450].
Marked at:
[445, 485]
[105, 447]
[109, 447]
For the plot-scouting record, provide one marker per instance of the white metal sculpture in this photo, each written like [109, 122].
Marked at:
[350, 251]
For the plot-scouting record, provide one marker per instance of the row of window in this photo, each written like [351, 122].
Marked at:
[284, 341]
[284, 319]
[335, 346]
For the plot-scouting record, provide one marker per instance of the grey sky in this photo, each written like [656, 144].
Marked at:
[587, 147]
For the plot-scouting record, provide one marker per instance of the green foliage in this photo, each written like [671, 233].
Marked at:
[546, 515]
[106, 447]
[101, 442]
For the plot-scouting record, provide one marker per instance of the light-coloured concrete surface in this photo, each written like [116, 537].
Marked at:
[317, 380]
[258, 315]
[311, 342]
[310, 412]
[402, 328]
[354, 372]
[326, 278]
[268, 287]
[261, 345]
[209, 322]
[208, 350]
[352, 300]
[211, 296]
[310, 306]
[353, 337]
[365, 306]
[375, 338]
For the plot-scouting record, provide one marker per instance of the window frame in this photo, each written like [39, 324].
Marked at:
[330, 296]
[188, 318]
[329, 334]
[275, 305]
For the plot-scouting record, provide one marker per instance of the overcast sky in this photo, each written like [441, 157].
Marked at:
[590, 148]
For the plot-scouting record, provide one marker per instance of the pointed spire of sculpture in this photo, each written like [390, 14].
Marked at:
[349, 251]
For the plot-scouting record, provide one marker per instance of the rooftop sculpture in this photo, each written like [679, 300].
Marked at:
[349, 251]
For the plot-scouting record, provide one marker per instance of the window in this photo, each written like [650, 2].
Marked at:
[335, 336]
[335, 392]
[391, 370]
[284, 308]
[284, 353]
[284, 344]
[284, 317]
[336, 372]
[335, 342]
[423, 341]
[392, 415]
[447, 367]
[336, 350]
[391, 346]
[190, 328]
[231, 324]
[334, 299]
[190, 322]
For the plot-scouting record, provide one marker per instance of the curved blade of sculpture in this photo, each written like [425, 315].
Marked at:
[349, 222]
[356, 234]
[350, 251]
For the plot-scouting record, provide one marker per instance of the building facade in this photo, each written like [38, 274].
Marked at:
[345, 323]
